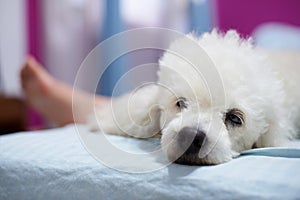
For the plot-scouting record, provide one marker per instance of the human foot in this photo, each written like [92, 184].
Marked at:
[35, 81]
[52, 98]
[39, 91]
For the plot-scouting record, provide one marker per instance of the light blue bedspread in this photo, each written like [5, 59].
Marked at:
[53, 164]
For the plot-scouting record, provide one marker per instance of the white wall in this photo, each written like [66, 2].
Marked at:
[71, 30]
[12, 44]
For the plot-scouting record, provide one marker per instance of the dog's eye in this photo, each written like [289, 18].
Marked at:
[234, 117]
[181, 103]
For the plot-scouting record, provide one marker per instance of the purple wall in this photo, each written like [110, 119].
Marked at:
[34, 40]
[245, 15]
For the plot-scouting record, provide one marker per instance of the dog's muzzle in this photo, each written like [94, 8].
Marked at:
[190, 140]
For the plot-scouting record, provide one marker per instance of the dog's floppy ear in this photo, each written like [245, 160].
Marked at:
[134, 114]
[280, 132]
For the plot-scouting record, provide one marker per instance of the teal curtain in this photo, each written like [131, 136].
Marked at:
[200, 16]
[112, 25]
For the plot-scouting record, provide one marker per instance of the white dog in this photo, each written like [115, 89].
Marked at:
[210, 105]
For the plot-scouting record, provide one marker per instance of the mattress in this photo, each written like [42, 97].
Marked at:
[54, 164]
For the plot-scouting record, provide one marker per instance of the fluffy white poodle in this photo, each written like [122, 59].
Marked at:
[216, 96]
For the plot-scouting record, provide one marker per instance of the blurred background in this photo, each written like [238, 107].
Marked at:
[60, 34]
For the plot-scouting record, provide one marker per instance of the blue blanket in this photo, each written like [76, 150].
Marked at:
[53, 164]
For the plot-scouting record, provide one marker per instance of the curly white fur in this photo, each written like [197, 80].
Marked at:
[251, 84]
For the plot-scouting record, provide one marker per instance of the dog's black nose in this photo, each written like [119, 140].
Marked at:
[191, 139]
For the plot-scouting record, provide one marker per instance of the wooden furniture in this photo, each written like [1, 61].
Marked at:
[12, 115]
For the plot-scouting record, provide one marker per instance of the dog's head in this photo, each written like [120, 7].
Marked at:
[209, 120]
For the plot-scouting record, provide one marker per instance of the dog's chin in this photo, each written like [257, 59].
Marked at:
[195, 159]
[188, 159]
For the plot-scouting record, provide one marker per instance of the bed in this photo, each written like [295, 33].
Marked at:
[54, 164]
